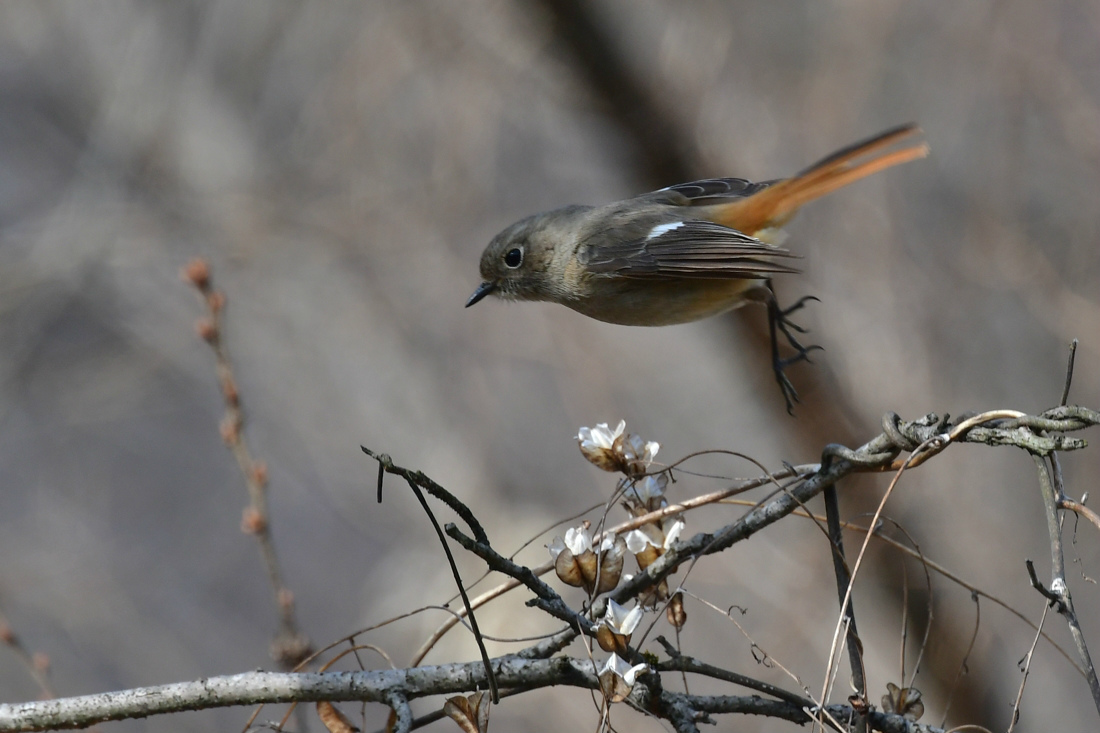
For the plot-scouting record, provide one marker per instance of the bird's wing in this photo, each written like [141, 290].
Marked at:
[687, 249]
[751, 207]
[708, 192]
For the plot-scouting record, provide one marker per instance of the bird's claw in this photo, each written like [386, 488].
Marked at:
[779, 322]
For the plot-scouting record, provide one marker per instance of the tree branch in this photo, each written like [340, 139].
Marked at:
[254, 688]
[923, 438]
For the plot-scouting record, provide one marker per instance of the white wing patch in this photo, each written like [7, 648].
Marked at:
[772, 235]
[662, 229]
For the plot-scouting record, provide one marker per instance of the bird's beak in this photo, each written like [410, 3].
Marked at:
[482, 290]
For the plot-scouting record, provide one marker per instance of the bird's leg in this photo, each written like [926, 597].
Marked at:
[779, 322]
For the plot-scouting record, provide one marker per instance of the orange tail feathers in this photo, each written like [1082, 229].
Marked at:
[777, 203]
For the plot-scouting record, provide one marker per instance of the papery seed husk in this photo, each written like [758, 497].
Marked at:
[568, 570]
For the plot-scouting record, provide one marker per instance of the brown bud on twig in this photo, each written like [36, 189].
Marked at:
[197, 272]
[229, 391]
[259, 473]
[6, 634]
[252, 522]
[230, 429]
[215, 301]
[206, 330]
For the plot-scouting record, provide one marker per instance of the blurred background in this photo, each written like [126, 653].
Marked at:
[342, 165]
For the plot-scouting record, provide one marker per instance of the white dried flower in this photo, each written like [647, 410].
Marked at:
[614, 450]
[650, 541]
[596, 444]
[614, 629]
[635, 453]
[619, 619]
[579, 564]
[638, 540]
[617, 678]
[647, 494]
[673, 533]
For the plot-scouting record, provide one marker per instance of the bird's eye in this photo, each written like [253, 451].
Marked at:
[514, 258]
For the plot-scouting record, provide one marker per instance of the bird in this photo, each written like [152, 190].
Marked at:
[681, 253]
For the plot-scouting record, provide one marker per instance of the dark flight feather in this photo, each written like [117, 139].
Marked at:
[696, 249]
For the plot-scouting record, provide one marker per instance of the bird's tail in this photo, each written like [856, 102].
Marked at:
[777, 203]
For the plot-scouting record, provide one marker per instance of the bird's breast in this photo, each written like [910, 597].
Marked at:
[640, 302]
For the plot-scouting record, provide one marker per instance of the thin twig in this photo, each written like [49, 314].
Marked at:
[290, 646]
[1059, 594]
[683, 663]
[847, 607]
[760, 655]
[415, 479]
[420, 480]
[1054, 598]
[838, 461]
[1069, 371]
[621, 528]
[37, 664]
[876, 455]
[925, 563]
[1079, 509]
[904, 617]
[934, 444]
[1027, 668]
[969, 648]
[941, 570]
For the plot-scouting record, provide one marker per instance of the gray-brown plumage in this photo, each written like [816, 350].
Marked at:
[675, 255]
